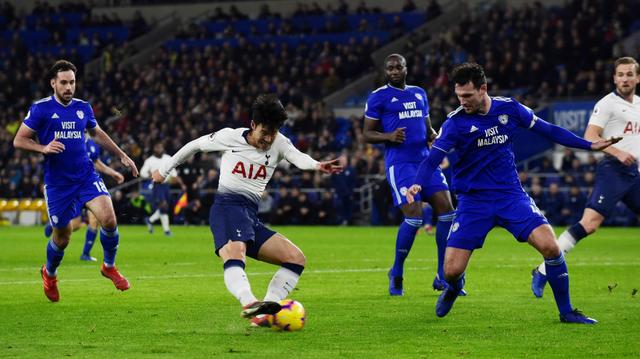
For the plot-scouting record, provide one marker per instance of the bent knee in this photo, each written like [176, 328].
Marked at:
[591, 225]
[550, 249]
[61, 241]
[453, 271]
[294, 256]
[299, 258]
[109, 223]
[412, 210]
[591, 220]
[233, 250]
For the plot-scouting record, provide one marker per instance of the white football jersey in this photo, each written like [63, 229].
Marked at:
[155, 163]
[244, 169]
[618, 117]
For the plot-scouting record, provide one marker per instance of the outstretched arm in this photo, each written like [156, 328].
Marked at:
[566, 138]
[329, 167]
[102, 139]
[425, 172]
[594, 133]
[304, 162]
[187, 151]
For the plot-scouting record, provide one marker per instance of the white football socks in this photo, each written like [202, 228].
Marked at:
[281, 284]
[154, 217]
[164, 219]
[566, 242]
[238, 284]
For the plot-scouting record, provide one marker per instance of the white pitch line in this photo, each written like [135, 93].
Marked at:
[316, 271]
[605, 261]
[213, 275]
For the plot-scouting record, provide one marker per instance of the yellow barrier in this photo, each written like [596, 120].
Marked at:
[13, 206]
[38, 205]
[24, 204]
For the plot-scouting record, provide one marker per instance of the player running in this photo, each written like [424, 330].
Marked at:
[94, 152]
[487, 184]
[160, 192]
[70, 180]
[249, 158]
[617, 177]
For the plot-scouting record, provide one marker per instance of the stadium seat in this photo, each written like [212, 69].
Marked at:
[24, 205]
[12, 205]
[38, 205]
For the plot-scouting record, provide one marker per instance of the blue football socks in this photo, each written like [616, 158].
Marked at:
[110, 240]
[442, 233]
[89, 240]
[54, 257]
[48, 230]
[404, 242]
[558, 277]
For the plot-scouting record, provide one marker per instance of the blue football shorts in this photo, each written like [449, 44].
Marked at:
[238, 222]
[65, 202]
[160, 193]
[401, 176]
[615, 182]
[478, 212]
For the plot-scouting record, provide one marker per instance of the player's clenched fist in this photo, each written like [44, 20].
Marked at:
[412, 192]
[398, 135]
[54, 146]
[157, 177]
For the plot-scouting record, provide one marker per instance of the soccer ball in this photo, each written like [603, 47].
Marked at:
[290, 318]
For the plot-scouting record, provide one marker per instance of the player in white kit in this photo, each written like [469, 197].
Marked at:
[160, 192]
[617, 174]
[249, 158]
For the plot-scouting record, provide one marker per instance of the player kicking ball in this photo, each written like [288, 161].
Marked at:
[489, 190]
[249, 158]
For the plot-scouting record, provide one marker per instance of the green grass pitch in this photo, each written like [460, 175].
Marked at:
[178, 305]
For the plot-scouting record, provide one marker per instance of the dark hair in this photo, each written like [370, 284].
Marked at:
[268, 111]
[397, 56]
[469, 72]
[627, 60]
[60, 66]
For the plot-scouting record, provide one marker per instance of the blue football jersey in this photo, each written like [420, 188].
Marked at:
[484, 158]
[93, 150]
[395, 108]
[50, 119]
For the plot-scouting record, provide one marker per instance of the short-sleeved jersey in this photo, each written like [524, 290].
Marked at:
[50, 120]
[618, 117]
[483, 145]
[244, 169]
[395, 108]
[93, 150]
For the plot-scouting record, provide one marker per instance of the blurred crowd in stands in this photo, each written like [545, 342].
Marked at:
[204, 80]
[533, 53]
